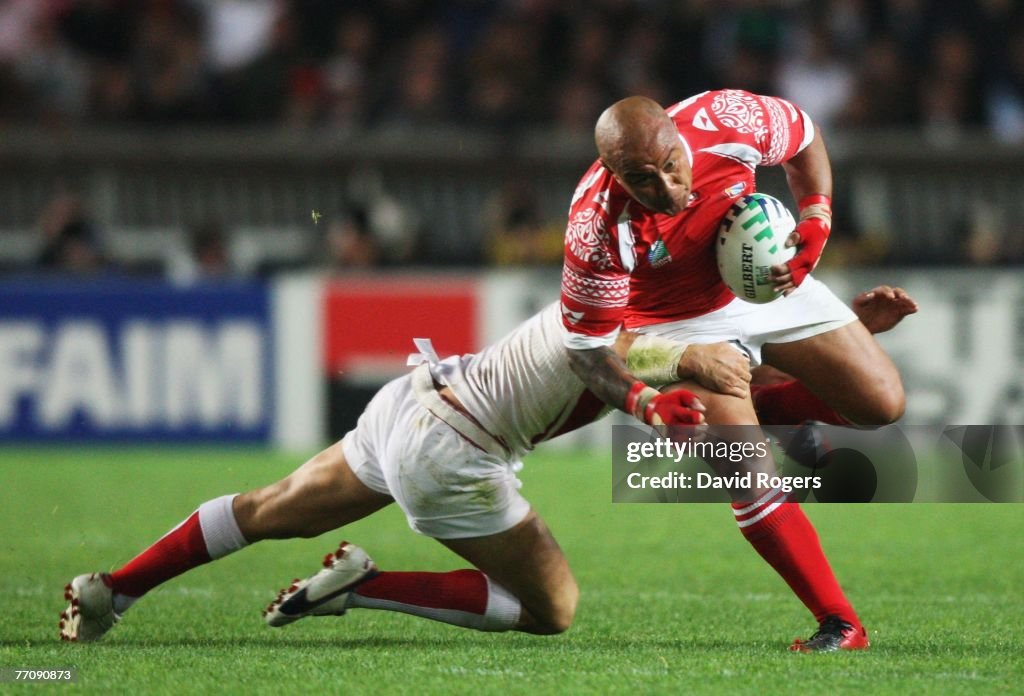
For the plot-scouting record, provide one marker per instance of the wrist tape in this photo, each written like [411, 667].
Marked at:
[817, 205]
[638, 398]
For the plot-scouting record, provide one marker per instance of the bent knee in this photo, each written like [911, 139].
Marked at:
[894, 407]
[558, 615]
[884, 406]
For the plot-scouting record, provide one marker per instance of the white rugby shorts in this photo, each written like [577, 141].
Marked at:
[448, 487]
[812, 309]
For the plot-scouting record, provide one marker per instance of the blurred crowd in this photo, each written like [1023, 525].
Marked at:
[504, 64]
[934, 66]
[372, 231]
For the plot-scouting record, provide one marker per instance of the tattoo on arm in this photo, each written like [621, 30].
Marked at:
[604, 373]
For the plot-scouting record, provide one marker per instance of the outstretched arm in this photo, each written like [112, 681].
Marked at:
[605, 374]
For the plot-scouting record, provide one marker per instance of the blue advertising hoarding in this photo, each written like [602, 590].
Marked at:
[135, 360]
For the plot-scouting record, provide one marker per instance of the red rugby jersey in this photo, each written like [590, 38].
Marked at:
[625, 264]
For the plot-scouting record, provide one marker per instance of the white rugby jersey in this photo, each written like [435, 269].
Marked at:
[522, 389]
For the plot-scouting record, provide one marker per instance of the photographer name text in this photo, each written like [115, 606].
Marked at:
[745, 482]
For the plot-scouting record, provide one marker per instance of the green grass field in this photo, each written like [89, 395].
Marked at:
[673, 599]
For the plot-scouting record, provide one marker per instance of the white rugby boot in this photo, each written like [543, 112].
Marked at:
[325, 593]
[91, 612]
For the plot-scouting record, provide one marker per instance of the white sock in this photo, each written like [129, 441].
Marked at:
[503, 608]
[220, 529]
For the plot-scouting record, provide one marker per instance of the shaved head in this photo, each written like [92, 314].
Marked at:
[631, 125]
[640, 144]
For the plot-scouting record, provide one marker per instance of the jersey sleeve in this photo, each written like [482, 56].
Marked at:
[789, 130]
[595, 282]
[753, 129]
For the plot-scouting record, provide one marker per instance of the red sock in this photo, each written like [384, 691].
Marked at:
[181, 549]
[208, 533]
[461, 597]
[785, 538]
[791, 403]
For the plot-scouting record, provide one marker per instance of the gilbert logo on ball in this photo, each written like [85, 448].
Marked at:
[752, 239]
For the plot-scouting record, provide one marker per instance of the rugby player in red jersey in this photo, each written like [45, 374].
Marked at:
[639, 253]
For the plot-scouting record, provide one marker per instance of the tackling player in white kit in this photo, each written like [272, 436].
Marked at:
[444, 442]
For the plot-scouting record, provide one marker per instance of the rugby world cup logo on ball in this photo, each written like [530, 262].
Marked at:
[752, 239]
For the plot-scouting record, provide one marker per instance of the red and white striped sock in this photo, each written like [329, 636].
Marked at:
[785, 538]
[209, 533]
[791, 403]
[466, 598]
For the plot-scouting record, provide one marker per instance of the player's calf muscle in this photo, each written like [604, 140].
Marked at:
[296, 508]
[321, 495]
[283, 510]
[259, 517]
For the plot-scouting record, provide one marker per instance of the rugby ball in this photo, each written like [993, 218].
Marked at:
[752, 239]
